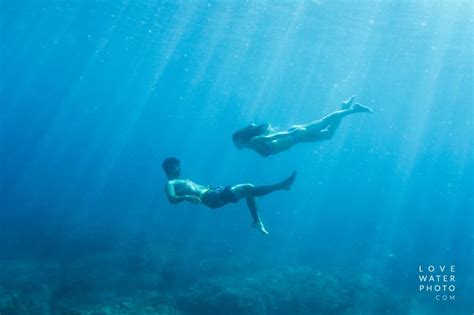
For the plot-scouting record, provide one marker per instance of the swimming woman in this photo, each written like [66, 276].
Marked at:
[266, 141]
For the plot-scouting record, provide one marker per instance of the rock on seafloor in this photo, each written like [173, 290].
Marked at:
[301, 290]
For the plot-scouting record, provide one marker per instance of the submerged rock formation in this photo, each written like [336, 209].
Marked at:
[301, 290]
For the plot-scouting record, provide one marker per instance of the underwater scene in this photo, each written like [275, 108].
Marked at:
[236, 157]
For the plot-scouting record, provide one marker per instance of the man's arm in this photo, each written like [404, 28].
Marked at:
[170, 193]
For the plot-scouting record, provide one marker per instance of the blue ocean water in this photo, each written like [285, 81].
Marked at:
[95, 94]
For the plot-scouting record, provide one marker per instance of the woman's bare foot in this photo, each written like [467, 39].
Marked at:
[358, 108]
[347, 104]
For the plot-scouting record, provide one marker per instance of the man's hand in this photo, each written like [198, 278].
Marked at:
[193, 199]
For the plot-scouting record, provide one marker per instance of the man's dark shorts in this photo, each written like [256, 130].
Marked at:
[218, 197]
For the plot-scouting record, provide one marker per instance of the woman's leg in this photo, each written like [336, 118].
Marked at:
[325, 128]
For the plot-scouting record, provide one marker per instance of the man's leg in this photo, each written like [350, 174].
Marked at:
[257, 222]
[250, 190]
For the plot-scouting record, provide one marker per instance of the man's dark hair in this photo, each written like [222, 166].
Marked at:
[169, 164]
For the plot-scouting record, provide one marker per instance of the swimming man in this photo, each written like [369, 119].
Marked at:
[178, 189]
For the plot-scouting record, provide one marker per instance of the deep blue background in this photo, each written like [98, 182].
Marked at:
[93, 96]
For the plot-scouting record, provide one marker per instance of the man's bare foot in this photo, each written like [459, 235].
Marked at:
[259, 226]
[361, 109]
[286, 184]
[347, 104]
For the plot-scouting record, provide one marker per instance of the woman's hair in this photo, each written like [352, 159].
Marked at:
[242, 136]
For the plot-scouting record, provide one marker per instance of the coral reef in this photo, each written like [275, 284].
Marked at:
[301, 290]
[120, 284]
